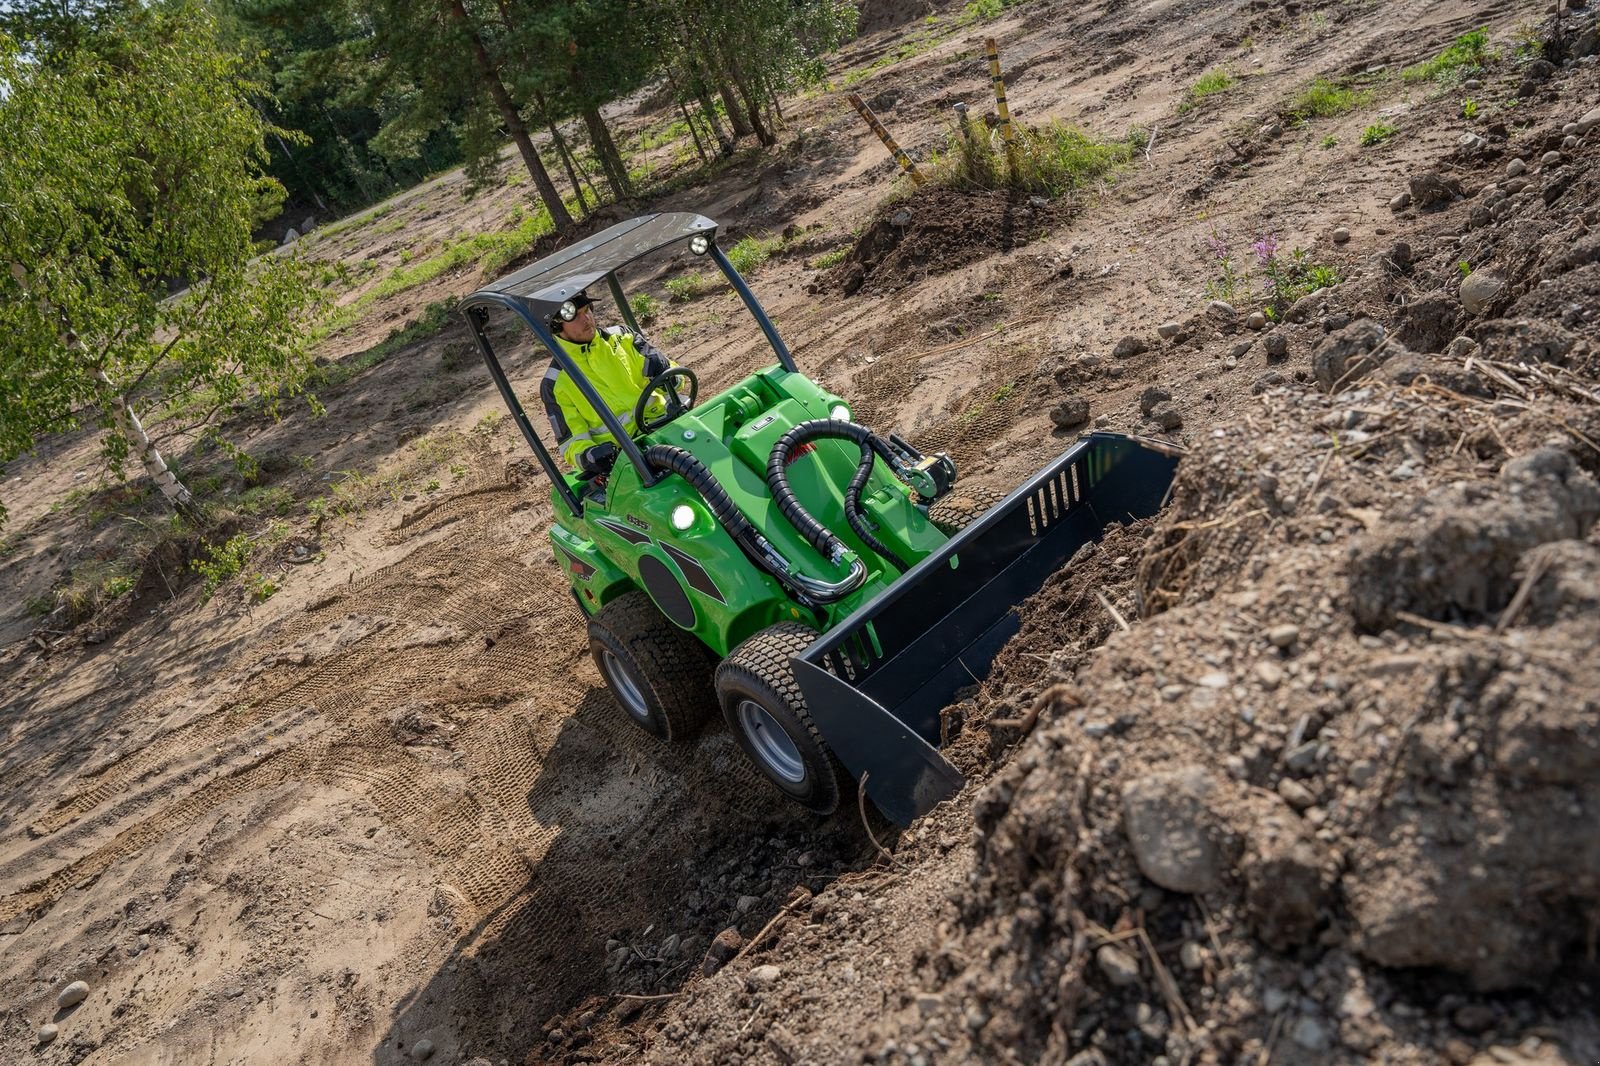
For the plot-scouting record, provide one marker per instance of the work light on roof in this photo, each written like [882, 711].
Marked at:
[699, 244]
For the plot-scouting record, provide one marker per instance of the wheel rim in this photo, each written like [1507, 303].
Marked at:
[773, 748]
[622, 686]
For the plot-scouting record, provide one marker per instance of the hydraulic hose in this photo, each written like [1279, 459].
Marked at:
[818, 535]
[672, 460]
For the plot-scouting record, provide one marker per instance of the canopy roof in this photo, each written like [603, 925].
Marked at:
[545, 285]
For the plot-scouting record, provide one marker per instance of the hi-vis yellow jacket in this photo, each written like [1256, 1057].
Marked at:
[618, 364]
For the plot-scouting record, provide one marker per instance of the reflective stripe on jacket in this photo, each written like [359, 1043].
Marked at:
[618, 364]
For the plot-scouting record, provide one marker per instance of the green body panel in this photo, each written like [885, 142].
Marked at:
[733, 433]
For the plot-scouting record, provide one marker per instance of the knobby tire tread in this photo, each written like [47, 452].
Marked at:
[675, 666]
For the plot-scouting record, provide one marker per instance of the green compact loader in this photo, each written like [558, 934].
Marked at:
[828, 588]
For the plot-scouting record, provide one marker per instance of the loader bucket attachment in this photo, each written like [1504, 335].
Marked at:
[876, 682]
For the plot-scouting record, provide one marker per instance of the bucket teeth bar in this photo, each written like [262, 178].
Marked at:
[876, 683]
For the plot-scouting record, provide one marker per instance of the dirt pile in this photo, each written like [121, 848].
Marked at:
[938, 229]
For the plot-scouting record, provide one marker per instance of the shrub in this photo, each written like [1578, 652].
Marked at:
[1377, 133]
[645, 308]
[1326, 99]
[1467, 55]
[1209, 84]
[750, 252]
[1049, 160]
[832, 257]
[221, 562]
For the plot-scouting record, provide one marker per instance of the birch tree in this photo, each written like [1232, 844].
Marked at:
[131, 167]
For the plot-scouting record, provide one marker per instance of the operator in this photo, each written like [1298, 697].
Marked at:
[619, 364]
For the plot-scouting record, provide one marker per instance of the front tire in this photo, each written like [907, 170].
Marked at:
[767, 714]
[659, 674]
[962, 507]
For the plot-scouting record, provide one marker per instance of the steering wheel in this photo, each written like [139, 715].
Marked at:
[675, 404]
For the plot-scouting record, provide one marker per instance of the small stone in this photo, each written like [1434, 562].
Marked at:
[929, 1003]
[761, 977]
[1274, 999]
[1192, 955]
[1283, 636]
[1362, 771]
[1295, 794]
[1276, 345]
[1128, 347]
[1170, 828]
[1151, 397]
[1221, 309]
[726, 945]
[1400, 202]
[1310, 1034]
[1568, 143]
[1478, 289]
[1169, 330]
[747, 902]
[1516, 167]
[901, 217]
[1269, 673]
[73, 994]
[1550, 159]
[1238, 351]
[1430, 189]
[1340, 235]
[47, 1033]
[422, 1050]
[669, 946]
[1303, 757]
[1167, 417]
[1255, 320]
[1588, 122]
[1470, 142]
[1569, 130]
[1120, 968]
[1070, 413]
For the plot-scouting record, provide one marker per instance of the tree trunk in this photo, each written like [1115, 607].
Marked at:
[736, 117]
[694, 131]
[561, 149]
[752, 106]
[611, 164]
[513, 121]
[708, 111]
[121, 412]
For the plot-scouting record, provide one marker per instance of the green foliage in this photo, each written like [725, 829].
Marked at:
[832, 257]
[984, 10]
[1377, 133]
[685, 287]
[751, 251]
[1326, 99]
[120, 171]
[1046, 160]
[260, 587]
[221, 562]
[1466, 56]
[644, 307]
[1469, 108]
[1464, 268]
[1284, 279]
[265, 500]
[1330, 141]
[1209, 84]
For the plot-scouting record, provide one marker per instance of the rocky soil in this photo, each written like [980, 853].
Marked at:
[1304, 770]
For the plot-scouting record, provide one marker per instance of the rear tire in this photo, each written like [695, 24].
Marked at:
[962, 507]
[767, 714]
[659, 674]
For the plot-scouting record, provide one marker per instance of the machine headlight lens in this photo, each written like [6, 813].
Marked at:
[699, 244]
[569, 311]
[682, 517]
[840, 413]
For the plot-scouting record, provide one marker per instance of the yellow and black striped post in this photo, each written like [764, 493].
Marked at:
[883, 135]
[999, 82]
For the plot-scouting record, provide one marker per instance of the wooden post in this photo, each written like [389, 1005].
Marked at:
[999, 82]
[883, 135]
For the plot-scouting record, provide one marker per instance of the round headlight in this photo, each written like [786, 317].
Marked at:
[682, 516]
[840, 413]
[569, 311]
[699, 244]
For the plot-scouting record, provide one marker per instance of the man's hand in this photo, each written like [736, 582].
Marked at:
[599, 459]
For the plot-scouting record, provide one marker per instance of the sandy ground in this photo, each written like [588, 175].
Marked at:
[393, 802]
